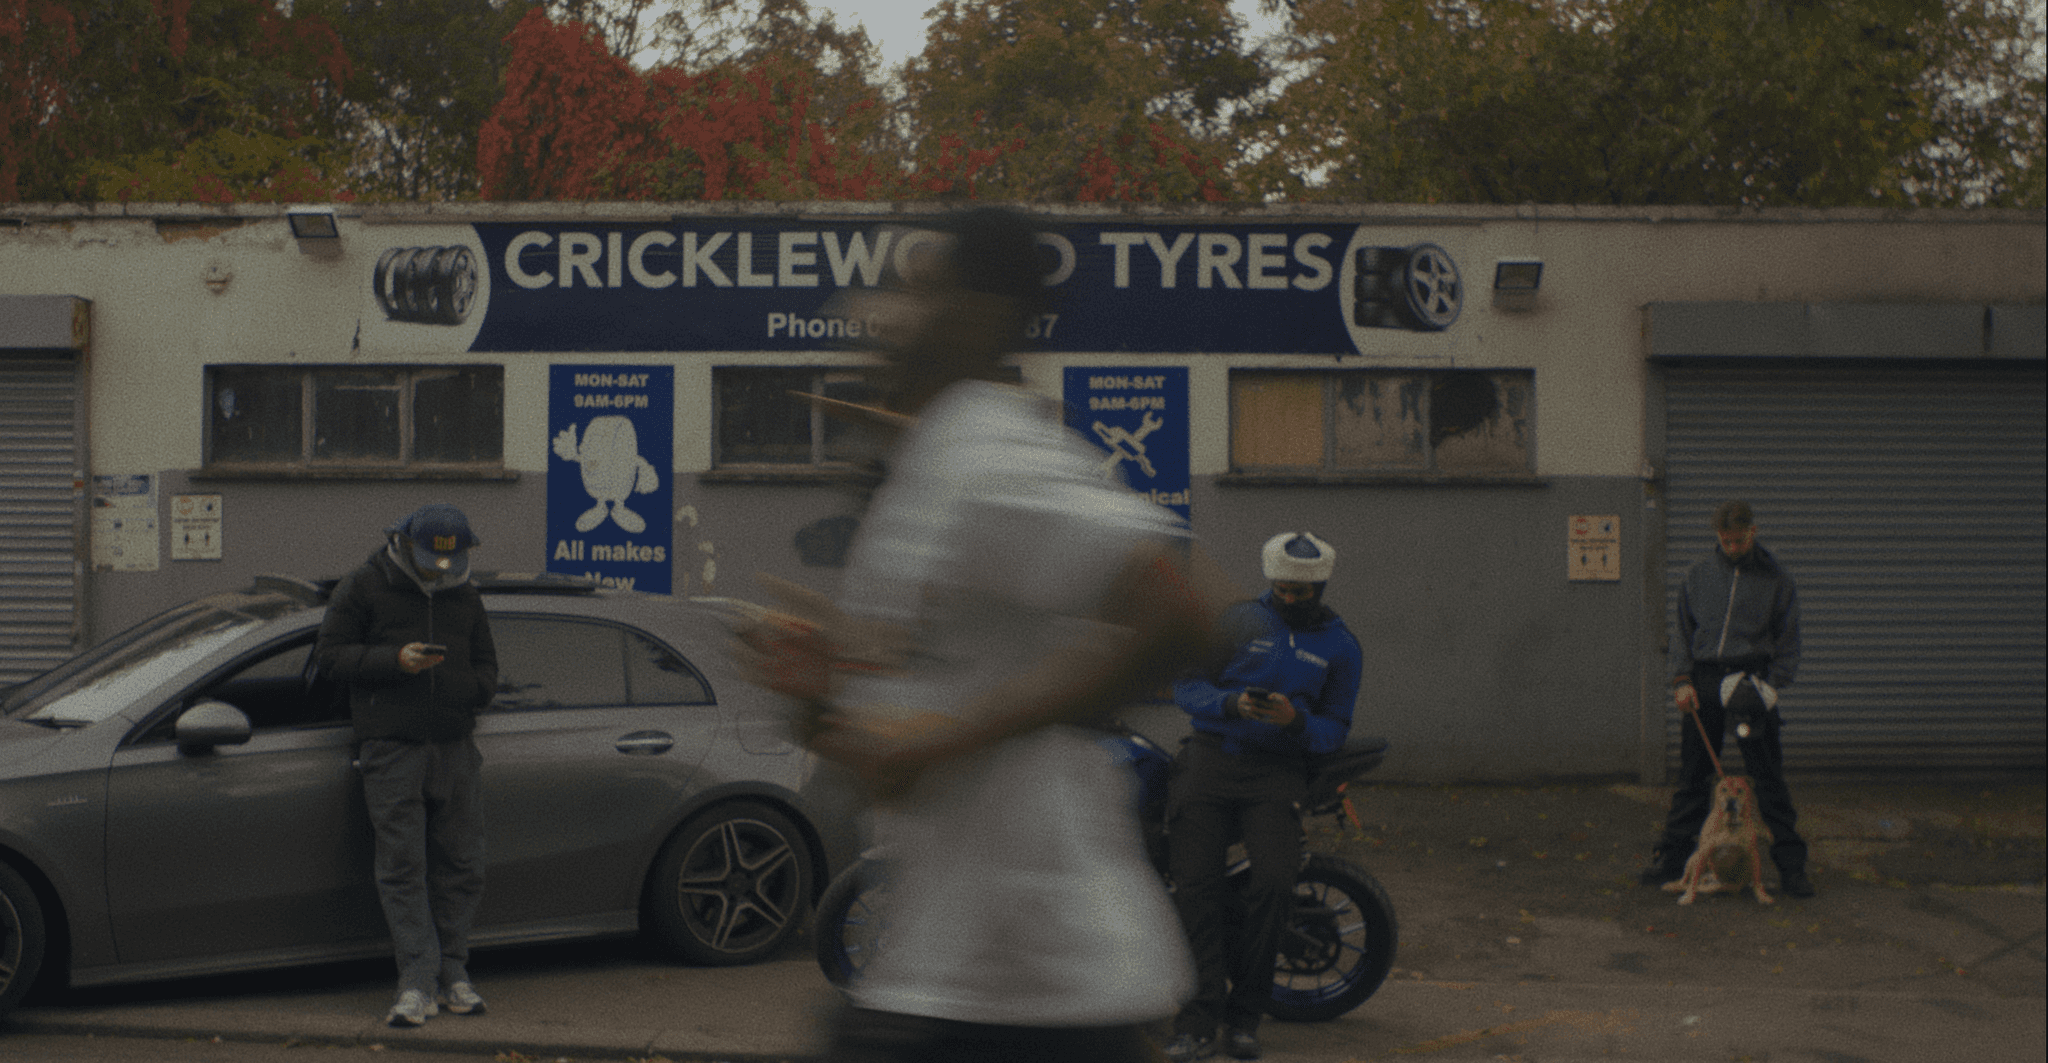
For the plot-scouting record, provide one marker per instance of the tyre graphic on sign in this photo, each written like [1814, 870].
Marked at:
[433, 285]
[1416, 287]
[428, 289]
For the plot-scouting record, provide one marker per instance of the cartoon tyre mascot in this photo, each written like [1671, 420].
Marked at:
[612, 470]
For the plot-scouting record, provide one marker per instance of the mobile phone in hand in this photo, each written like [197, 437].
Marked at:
[433, 649]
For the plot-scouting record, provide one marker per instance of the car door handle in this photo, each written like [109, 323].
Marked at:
[646, 743]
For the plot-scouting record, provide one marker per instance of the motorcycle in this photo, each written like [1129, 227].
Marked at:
[1335, 953]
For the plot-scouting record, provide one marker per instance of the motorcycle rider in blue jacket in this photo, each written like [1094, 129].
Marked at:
[1285, 696]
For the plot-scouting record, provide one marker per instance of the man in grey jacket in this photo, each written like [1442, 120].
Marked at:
[1737, 645]
[406, 633]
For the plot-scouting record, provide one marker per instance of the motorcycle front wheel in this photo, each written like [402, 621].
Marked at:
[1338, 946]
[850, 923]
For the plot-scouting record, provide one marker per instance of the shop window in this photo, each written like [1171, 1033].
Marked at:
[315, 419]
[1403, 423]
[761, 422]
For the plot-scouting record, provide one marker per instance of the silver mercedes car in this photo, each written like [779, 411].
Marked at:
[181, 800]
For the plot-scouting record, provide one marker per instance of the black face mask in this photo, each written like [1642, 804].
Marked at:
[1301, 613]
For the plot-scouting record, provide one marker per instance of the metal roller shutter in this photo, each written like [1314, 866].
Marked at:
[38, 515]
[1910, 504]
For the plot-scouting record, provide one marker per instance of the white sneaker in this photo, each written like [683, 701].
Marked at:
[462, 999]
[414, 1008]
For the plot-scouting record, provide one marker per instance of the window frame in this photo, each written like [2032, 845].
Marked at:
[624, 631]
[1328, 470]
[407, 377]
[819, 466]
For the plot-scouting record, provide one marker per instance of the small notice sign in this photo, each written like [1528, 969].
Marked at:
[1593, 548]
[124, 530]
[195, 527]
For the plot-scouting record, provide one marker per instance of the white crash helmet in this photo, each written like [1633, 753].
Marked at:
[1298, 557]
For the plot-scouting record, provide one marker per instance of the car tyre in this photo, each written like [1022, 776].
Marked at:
[731, 885]
[22, 938]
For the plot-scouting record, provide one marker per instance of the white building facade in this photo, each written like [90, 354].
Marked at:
[1511, 422]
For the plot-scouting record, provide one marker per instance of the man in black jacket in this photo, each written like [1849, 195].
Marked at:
[1737, 645]
[406, 633]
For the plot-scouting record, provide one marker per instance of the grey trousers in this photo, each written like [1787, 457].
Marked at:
[426, 809]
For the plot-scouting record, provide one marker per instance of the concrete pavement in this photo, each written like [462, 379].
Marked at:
[1523, 937]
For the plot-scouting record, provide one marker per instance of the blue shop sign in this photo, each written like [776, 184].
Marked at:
[1139, 417]
[610, 472]
[766, 284]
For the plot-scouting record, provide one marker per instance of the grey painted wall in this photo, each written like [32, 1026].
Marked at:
[1482, 662]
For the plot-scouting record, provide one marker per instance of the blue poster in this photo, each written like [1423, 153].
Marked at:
[610, 467]
[1139, 417]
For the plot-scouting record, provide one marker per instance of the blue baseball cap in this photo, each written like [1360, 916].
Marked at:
[440, 537]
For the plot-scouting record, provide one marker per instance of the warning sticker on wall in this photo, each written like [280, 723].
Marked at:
[1593, 548]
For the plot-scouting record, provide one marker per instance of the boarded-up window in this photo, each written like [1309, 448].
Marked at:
[1457, 422]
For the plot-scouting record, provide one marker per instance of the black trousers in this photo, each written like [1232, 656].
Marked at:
[1763, 760]
[1216, 799]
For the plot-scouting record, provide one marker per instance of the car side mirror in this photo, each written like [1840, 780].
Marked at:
[210, 723]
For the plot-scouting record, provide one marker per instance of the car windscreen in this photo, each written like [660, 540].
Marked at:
[108, 678]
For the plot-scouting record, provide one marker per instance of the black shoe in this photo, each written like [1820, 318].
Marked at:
[1189, 1047]
[1665, 866]
[1794, 883]
[1240, 1043]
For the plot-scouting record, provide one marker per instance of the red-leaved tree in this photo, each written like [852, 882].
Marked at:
[577, 122]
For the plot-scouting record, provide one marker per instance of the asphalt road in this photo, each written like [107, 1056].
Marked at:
[1523, 937]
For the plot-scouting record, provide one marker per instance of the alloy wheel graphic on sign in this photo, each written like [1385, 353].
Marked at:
[1430, 280]
[1415, 288]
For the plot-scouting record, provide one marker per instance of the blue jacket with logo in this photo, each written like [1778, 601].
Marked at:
[1317, 666]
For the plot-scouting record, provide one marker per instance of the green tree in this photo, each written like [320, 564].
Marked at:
[419, 89]
[1077, 99]
[144, 81]
[1752, 102]
[38, 47]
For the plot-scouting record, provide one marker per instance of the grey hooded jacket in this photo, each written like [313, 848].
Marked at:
[1741, 613]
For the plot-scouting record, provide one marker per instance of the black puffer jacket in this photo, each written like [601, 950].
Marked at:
[376, 611]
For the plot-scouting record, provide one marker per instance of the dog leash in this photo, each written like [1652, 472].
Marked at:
[1705, 743]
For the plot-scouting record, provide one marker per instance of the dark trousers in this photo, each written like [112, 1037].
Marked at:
[865, 1036]
[425, 808]
[1763, 760]
[1216, 799]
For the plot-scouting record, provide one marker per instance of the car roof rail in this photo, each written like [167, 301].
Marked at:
[532, 583]
[309, 591]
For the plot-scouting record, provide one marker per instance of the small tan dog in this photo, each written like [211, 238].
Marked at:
[1730, 851]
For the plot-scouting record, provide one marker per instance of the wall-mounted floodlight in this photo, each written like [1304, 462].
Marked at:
[1515, 281]
[312, 223]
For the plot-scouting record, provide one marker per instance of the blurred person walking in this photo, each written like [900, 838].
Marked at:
[1031, 595]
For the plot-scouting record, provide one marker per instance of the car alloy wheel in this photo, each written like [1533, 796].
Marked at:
[732, 884]
[21, 938]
